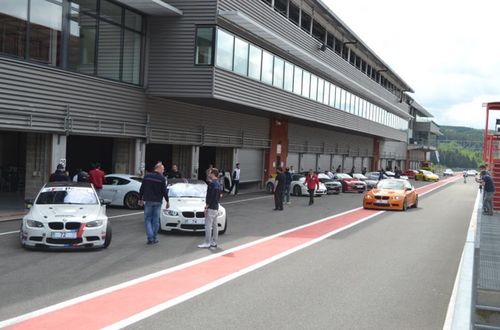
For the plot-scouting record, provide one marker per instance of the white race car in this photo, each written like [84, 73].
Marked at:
[297, 187]
[187, 208]
[66, 215]
[122, 190]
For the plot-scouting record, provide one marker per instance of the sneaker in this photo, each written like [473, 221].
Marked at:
[204, 246]
[150, 242]
[155, 241]
[213, 245]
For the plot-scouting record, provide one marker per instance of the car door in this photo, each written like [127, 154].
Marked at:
[110, 188]
[410, 193]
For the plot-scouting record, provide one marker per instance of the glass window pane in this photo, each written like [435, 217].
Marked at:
[306, 22]
[288, 85]
[297, 81]
[225, 44]
[321, 89]
[131, 69]
[204, 45]
[85, 6]
[45, 33]
[343, 100]
[240, 56]
[13, 17]
[314, 88]
[111, 12]
[306, 84]
[267, 67]
[82, 41]
[108, 64]
[333, 95]
[294, 13]
[318, 31]
[255, 62]
[326, 99]
[278, 77]
[133, 20]
[338, 98]
[280, 6]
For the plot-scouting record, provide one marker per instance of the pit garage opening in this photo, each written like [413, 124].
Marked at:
[12, 169]
[84, 151]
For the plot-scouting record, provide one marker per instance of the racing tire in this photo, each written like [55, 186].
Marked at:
[131, 200]
[297, 191]
[21, 235]
[405, 205]
[416, 203]
[109, 236]
[223, 231]
[270, 187]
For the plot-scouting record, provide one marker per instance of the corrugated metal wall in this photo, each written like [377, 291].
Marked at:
[251, 163]
[393, 150]
[171, 54]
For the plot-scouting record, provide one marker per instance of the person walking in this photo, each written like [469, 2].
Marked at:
[151, 194]
[211, 210]
[353, 169]
[59, 174]
[488, 190]
[288, 186]
[96, 177]
[397, 172]
[381, 174]
[312, 183]
[364, 170]
[339, 169]
[174, 173]
[279, 188]
[465, 175]
[235, 179]
[81, 176]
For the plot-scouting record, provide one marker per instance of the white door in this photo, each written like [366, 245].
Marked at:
[324, 163]
[293, 160]
[307, 162]
[251, 164]
[348, 162]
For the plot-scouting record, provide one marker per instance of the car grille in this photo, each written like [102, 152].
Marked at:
[382, 197]
[188, 214]
[193, 227]
[73, 225]
[200, 215]
[56, 225]
[62, 225]
[64, 241]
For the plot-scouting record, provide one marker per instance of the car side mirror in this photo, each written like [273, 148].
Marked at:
[28, 203]
[409, 189]
[105, 202]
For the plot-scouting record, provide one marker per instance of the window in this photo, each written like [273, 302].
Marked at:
[13, 22]
[269, 2]
[109, 51]
[345, 52]
[83, 29]
[333, 95]
[131, 66]
[326, 98]
[338, 98]
[240, 56]
[297, 80]
[305, 22]
[255, 62]
[281, 6]
[314, 88]
[133, 21]
[306, 84]
[204, 46]
[45, 31]
[318, 31]
[294, 13]
[338, 46]
[330, 41]
[352, 57]
[225, 45]
[343, 100]
[267, 68]
[321, 89]
[111, 12]
[278, 77]
[288, 83]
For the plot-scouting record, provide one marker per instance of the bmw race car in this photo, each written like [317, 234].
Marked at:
[66, 215]
[187, 208]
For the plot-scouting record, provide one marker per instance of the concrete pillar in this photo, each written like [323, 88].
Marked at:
[58, 149]
[195, 162]
[37, 162]
[139, 157]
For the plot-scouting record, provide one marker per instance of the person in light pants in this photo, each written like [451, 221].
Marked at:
[211, 211]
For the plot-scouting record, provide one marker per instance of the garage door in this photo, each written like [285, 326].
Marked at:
[293, 160]
[336, 161]
[348, 162]
[308, 162]
[358, 164]
[251, 163]
[324, 163]
[367, 161]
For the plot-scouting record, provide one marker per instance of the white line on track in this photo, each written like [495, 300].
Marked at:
[9, 232]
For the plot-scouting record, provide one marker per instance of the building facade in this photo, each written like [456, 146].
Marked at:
[192, 82]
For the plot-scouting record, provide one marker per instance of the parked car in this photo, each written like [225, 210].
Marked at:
[122, 190]
[410, 173]
[391, 174]
[472, 172]
[448, 172]
[375, 175]
[369, 182]
[350, 184]
[426, 176]
[66, 215]
[297, 186]
[332, 186]
[392, 194]
[187, 208]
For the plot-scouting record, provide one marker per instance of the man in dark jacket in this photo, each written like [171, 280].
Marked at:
[212, 210]
[59, 174]
[288, 183]
[279, 188]
[152, 192]
[174, 173]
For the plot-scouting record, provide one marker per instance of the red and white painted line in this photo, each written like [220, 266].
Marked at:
[126, 303]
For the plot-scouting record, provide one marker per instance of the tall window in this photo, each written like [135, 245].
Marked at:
[267, 68]
[306, 84]
[13, 24]
[225, 46]
[305, 21]
[204, 45]
[45, 31]
[278, 76]
[297, 80]
[255, 62]
[288, 83]
[240, 56]
[281, 6]
[294, 13]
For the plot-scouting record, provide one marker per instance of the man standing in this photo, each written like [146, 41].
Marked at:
[488, 190]
[96, 177]
[211, 210]
[339, 169]
[174, 173]
[236, 179]
[153, 190]
[288, 185]
[279, 188]
[312, 183]
[59, 174]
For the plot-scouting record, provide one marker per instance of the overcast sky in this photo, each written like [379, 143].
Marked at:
[448, 51]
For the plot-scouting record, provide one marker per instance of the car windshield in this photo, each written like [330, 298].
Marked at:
[343, 176]
[67, 195]
[188, 190]
[427, 172]
[391, 184]
[360, 176]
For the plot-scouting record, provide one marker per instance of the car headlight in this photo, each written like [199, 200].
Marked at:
[369, 197]
[170, 213]
[93, 224]
[220, 214]
[34, 224]
[396, 198]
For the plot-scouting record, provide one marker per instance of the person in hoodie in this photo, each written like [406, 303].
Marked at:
[59, 174]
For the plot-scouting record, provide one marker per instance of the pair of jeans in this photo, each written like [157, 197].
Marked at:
[211, 228]
[487, 202]
[278, 199]
[152, 219]
[311, 196]
[235, 185]
[286, 195]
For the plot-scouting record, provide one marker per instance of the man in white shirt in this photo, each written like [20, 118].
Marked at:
[235, 179]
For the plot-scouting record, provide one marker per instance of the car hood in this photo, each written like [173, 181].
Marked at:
[76, 212]
[187, 204]
[387, 192]
[353, 181]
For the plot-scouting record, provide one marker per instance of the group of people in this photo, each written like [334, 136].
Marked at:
[96, 176]
[487, 186]
[282, 187]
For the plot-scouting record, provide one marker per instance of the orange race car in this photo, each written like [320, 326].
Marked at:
[391, 194]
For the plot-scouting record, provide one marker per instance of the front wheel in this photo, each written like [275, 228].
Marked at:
[223, 231]
[270, 187]
[131, 200]
[297, 191]
[416, 203]
[405, 205]
[109, 235]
